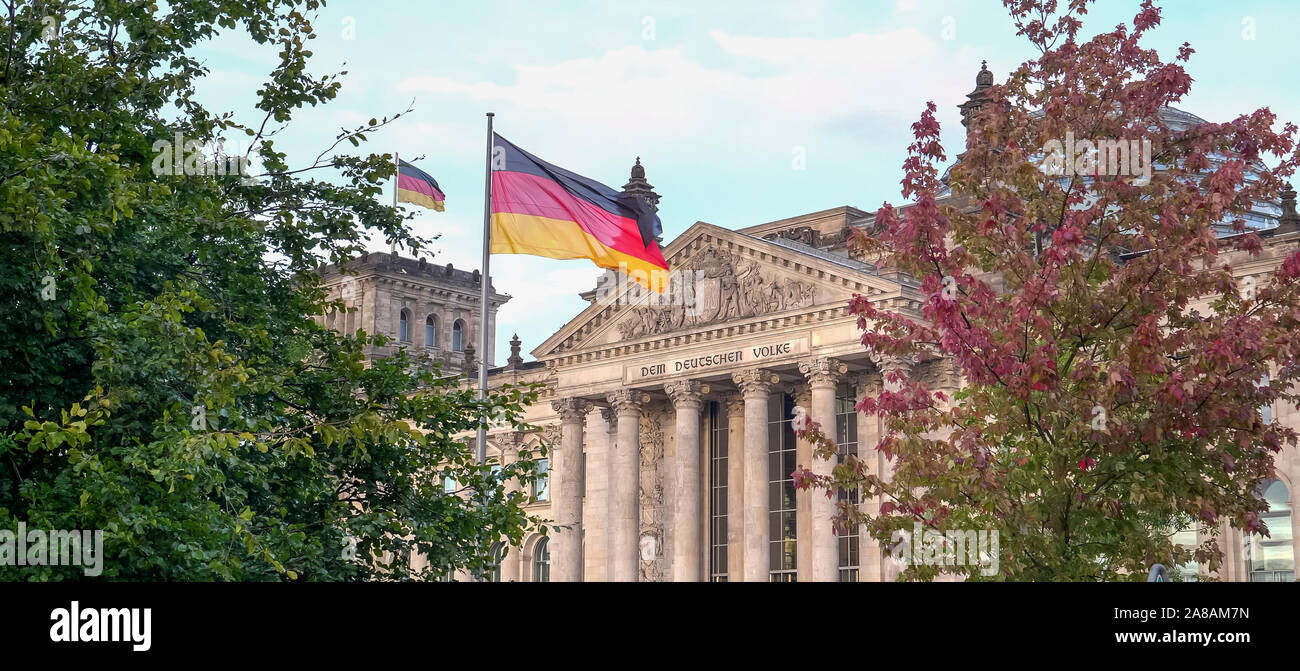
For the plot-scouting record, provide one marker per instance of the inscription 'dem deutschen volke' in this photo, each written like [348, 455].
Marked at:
[729, 358]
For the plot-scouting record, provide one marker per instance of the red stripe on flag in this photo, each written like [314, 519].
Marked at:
[418, 185]
[521, 193]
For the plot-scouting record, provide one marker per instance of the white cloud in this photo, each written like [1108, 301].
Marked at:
[784, 91]
[594, 114]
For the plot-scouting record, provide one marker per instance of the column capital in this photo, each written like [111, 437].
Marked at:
[627, 401]
[823, 372]
[735, 405]
[869, 384]
[755, 381]
[571, 409]
[610, 417]
[892, 362]
[685, 394]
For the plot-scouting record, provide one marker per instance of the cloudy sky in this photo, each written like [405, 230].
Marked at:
[717, 98]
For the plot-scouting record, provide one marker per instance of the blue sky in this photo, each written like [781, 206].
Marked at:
[715, 97]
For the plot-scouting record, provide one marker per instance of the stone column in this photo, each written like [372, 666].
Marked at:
[1234, 550]
[888, 363]
[823, 374]
[566, 492]
[626, 485]
[755, 386]
[611, 484]
[868, 437]
[595, 505]
[1293, 501]
[736, 488]
[685, 471]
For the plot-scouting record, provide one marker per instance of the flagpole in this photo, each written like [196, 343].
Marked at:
[483, 289]
[483, 302]
[397, 175]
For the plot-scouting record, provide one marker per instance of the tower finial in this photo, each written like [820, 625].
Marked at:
[1290, 219]
[515, 359]
[975, 100]
[638, 186]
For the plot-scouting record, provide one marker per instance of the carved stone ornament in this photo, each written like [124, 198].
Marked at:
[754, 381]
[726, 287]
[551, 435]
[685, 394]
[625, 401]
[571, 410]
[652, 506]
[823, 372]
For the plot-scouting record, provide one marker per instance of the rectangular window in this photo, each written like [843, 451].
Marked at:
[781, 458]
[542, 486]
[1266, 410]
[846, 436]
[448, 485]
[717, 492]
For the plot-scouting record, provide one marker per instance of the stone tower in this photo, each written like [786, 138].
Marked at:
[431, 310]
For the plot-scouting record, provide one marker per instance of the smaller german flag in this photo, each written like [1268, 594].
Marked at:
[416, 186]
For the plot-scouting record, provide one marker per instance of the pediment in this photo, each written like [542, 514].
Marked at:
[734, 279]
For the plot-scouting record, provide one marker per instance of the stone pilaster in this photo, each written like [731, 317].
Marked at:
[625, 502]
[685, 542]
[755, 386]
[512, 563]
[566, 491]
[823, 375]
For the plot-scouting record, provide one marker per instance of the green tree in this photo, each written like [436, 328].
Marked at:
[164, 378]
[1115, 364]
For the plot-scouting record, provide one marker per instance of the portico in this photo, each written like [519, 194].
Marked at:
[693, 436]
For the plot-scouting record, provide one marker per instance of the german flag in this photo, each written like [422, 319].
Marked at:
[416, 186]
[544, 210]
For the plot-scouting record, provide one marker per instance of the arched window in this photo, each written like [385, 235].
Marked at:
[541, 561]
[431, 331]
[404, 326]
[1273, 559]
[498, 556]
[458, 336]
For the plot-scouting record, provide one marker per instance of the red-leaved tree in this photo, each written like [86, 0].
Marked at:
[1114, 356]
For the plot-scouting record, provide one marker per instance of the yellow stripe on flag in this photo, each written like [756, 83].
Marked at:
[417, 198]
[562, 239]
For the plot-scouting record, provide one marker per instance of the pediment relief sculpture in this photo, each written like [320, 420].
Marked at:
[724, 287]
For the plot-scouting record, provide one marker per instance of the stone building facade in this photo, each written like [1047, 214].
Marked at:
[670, 429]
[670, 433]
[431, 310]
